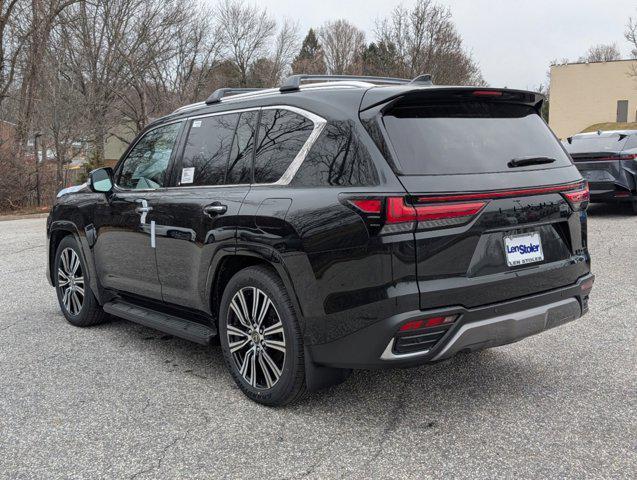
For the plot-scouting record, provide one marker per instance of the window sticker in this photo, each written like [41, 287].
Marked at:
[187, 175]
[196, 124]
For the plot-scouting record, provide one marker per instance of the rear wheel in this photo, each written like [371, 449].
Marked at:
[260, 337]
[77, 302]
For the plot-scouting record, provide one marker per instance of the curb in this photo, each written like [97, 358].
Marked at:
[7, 218]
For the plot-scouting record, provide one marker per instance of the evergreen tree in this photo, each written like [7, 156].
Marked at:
[379, 59]
[311, 57]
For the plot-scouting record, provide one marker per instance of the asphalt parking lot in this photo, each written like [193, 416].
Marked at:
[124, 401]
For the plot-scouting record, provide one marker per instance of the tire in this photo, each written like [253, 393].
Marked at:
[279, 326]
[81, 310]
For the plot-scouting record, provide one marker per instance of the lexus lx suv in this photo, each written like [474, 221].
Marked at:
[330, 224]
[608, 161]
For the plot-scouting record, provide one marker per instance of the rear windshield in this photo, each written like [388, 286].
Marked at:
[472, 137]
[600, 143]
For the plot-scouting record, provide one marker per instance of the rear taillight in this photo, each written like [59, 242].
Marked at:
[366, 205]
[614, 158]
[578, 199]
[429, 216]
[397, 214]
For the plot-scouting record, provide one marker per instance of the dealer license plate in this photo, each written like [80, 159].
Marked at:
[522, 249]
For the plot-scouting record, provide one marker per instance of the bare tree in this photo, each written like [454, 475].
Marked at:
[601, 53]
[286, 43]
[630, 34]
[426, 41]
[187, 74]
[43, 16]
[13, 40]
[246, 31]
[343, 45]
[61, 118]
[147, 51]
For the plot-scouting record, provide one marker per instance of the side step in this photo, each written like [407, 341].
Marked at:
[179, 327]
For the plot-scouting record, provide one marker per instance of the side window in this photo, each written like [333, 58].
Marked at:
[282, 134]
[337, 158]
[146, 164]
[208, 148]
[240, 162]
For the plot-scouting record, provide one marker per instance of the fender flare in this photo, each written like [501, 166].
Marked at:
[85, 251]
[264, 254]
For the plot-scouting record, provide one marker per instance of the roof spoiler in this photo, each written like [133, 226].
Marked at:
[375, 97]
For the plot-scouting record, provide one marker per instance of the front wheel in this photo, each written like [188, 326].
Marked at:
[260, 338]
[77, 302]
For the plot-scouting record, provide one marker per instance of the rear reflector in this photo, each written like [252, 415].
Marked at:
[587, 286]
[578, 198]
[427, 322]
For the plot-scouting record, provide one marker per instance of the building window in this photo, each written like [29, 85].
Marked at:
[622, 110]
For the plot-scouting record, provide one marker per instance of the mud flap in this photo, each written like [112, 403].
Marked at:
[318, 377]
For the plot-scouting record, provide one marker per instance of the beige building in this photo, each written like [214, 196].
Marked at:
[117, 142]
[583, 94]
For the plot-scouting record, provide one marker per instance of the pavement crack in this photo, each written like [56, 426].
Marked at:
[7, 327]
[392, 423]
[24, 250]
[164, 451]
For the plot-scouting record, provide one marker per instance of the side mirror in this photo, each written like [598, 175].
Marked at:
[101, 180]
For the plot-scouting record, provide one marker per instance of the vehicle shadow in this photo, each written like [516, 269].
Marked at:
[474, 380]
[610, 210]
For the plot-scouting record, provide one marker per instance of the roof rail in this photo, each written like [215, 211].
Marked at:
[424, 79]
[220, 93]
[293, 82]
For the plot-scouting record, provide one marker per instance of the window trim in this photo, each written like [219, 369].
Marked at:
[169, 167]
[319, 124]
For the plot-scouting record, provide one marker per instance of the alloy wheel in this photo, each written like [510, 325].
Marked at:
[70, 281]
[256, 338]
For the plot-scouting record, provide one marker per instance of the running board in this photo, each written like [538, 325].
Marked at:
[177, 326]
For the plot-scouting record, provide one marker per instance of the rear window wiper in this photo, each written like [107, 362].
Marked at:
[526, 161]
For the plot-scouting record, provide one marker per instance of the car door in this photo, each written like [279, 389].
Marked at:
[123, 250]
[197, 219]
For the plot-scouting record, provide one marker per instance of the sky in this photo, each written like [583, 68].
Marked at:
[513, 41]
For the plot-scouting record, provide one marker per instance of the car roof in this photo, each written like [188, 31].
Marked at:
[605, 133]
[373, 92]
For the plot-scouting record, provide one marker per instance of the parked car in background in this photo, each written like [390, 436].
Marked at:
[608, 161]
[319, 227]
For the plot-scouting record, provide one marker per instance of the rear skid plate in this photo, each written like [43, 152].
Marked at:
[510, 328]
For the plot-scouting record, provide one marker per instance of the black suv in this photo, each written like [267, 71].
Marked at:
[608, 160]
[329, 224]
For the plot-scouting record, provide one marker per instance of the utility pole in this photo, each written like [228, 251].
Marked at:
[37, 165]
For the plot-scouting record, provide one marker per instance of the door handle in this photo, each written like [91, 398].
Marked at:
[215, 209]
[143, 210]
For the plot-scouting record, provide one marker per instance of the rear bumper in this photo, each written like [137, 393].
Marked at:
[609, 192]
[475, 329]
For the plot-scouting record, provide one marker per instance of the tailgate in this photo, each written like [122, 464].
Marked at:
[499, 207]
